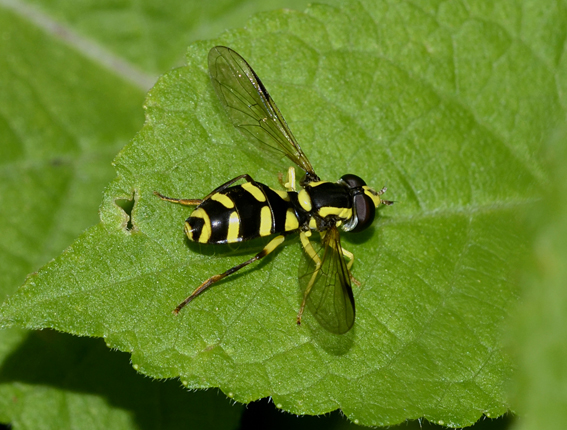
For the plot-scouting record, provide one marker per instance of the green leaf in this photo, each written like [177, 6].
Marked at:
[447, 105]
[60, 127]
[155, 36]
[79, 384]
[63, 120]
[539, 326]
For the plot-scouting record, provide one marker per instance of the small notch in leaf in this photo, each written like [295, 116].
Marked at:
[127, 205]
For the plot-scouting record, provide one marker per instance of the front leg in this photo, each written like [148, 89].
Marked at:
[311, 253]
[290, 184]
[350, 257]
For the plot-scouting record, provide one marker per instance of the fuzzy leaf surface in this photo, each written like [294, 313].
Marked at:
[63, 118]
[445, 104]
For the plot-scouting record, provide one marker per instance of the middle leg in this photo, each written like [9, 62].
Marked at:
[270, 247]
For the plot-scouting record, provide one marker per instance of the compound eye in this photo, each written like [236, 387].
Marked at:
[365, 211]
[353, 181]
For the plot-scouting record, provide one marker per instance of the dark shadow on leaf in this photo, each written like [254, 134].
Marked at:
[334, 344]
[362, 237]
[83, 365]
[263, 414]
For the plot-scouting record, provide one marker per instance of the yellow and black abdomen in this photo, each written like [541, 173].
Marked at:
[240, 213]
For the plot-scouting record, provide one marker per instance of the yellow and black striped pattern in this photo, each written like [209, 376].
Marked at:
[252, 210]
[242, 212]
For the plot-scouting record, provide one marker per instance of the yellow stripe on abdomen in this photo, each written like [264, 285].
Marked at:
[291, 222]
[265, 221]
[255, 191]
[283, 194]
[223, 199]
[205, 231]
[304, 200]
[233, 228]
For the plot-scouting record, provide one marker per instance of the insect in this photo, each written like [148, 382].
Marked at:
[234, 213]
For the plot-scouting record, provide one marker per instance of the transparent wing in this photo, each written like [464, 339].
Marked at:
[250, 107]
[330, 299]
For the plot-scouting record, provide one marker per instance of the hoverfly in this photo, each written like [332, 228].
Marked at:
[235, 213]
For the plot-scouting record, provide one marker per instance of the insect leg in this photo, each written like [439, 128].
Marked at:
[273, 244]
[313, 255]
[290, 184]
[385, 202]
[184, 202]
[350, 257]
